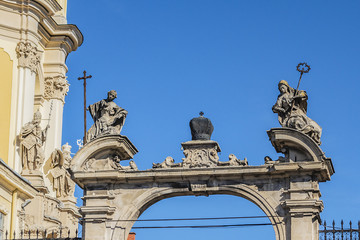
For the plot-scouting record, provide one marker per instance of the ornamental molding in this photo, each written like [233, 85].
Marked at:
[28, 55]
[56, 87]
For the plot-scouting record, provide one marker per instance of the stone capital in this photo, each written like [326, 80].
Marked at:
[56, 87]
[28, 56]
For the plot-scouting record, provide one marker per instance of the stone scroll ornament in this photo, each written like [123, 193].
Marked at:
[201, 151]
[32, 139]
[108, 117]
[291, 107]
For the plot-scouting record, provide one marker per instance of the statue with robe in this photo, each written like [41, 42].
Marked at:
[291, 107]
[108, 117]
[63, 186]
[32, 139]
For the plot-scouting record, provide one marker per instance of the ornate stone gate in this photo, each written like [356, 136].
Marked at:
[286, 189]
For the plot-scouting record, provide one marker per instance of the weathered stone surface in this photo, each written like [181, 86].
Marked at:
[287, 190]
[200, 153]
[108, 117]
[105, 153]
[291, 107]
[32, 139]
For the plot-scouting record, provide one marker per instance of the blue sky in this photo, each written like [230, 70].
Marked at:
[169, 60]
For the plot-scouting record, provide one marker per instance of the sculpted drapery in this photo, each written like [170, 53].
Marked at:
[291, 107]
[32, 139]
[108, 117]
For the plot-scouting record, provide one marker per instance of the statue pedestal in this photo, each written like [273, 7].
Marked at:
[36, 179]
[69, 201]
[200, 153]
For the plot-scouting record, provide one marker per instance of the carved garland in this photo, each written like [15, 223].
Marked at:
[28, 56]
[56, 87]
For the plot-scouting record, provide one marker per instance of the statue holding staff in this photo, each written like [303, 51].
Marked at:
[108, 117]
[32, 139]
[291, 107]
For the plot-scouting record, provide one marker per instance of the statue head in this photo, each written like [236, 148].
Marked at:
[283, 86]
[37, 117]
[112, 95]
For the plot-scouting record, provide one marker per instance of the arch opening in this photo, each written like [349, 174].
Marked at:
[234, 198]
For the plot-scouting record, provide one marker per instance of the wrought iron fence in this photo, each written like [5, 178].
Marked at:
[339, 233]
[40, 235]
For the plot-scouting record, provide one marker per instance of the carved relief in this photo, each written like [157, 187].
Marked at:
[201, 155]
[108, 163]
[167, 163]
[233, 161]
[200, 158]
[28, 55]
[56, 87]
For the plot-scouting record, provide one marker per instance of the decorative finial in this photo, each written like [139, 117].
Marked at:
[303, 67]
[201, 128]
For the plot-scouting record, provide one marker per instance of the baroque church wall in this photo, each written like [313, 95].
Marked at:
[35, 40]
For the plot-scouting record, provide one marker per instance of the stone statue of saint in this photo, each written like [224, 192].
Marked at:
[291, 108]
[108, 117]
[62, 183]
[32, 139]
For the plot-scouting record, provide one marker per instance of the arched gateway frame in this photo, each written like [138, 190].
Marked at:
[286, 189]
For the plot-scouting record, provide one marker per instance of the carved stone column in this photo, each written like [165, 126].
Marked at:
[28, 59]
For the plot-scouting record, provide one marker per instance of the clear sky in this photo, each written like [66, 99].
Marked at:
[169, 60]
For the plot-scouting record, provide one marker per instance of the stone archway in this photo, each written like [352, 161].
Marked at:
[155, 195]
[286, 189]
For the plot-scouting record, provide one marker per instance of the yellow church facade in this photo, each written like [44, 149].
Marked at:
[36, 191]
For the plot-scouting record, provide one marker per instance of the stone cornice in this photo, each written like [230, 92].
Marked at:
[243, 173]
[13, 180]
[67, 36]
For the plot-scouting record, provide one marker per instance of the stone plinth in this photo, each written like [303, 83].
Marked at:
[200, 153]
[36, 179]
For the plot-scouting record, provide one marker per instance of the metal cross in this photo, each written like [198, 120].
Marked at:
[84, 78]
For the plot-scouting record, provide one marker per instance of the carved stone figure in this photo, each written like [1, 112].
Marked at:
[233, 161]
[291, 107]
[108, 117]
[66, 150]
[167, 163]
[62, 183]
[32, 139]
